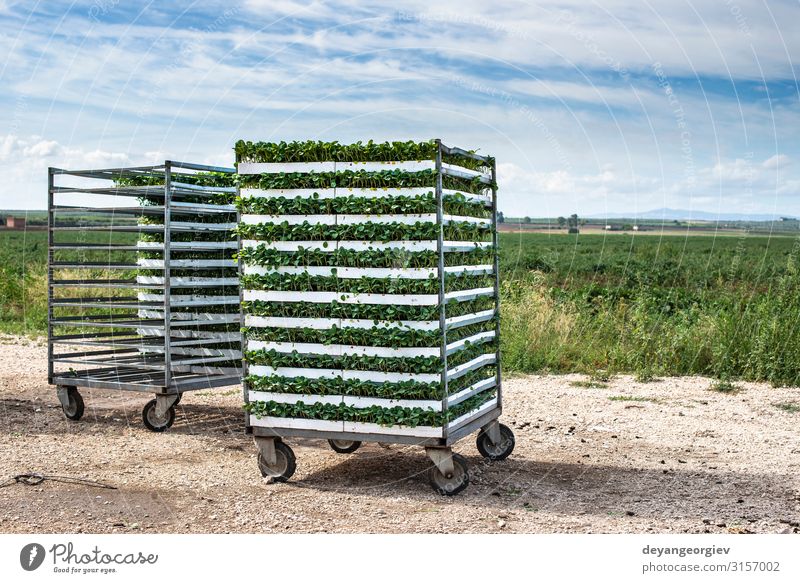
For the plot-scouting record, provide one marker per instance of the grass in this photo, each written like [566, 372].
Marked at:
[725, 307]
[724, 385]
[23, 276]
[645, 375]
[23, 282]
[589, 385]
[789, 407]
[627, 398]
[652, 306]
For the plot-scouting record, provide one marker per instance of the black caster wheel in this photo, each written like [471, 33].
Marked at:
[74, 410]
[452, 484]
[285, 464]
[155, 423]
[496, 452]
[344, 445]
[178, 400]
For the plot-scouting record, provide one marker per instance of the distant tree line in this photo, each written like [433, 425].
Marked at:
[572, 222]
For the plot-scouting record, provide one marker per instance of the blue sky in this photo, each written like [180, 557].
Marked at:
[589, 107]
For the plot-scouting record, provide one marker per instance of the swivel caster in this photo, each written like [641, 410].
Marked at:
[449, 474]
[283, 463]
[71, 403]
[156, 421]
[344, 445]
[495, 442]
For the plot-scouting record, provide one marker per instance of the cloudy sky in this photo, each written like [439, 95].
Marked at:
[589, 107]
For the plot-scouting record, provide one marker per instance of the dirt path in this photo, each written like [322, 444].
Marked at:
[678, 458]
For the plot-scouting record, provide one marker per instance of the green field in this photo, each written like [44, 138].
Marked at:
[675, 305]
[23, 282]
[725, 306]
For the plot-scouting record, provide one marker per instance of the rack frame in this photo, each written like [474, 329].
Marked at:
[153, 346]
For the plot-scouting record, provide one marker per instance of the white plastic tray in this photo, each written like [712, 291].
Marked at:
[327, 373]
[347, 272]
[341, 349]
[343, 219]
[358, 402]
[326, 193]
[331, 246]
[326, 323]
[323, 297]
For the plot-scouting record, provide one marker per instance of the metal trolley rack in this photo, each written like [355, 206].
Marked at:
[449, 473]
[142, 285]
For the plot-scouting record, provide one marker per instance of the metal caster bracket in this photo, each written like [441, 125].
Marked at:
[164, 403]
[266, 447]
[492, 429]
[62, 393]
[442, 458]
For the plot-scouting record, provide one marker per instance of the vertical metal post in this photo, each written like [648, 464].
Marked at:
[166, 268]
[495, 243]
[242, 340]
[440, 250]
[50, 221]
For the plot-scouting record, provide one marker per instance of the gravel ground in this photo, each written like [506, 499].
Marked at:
[665, 456]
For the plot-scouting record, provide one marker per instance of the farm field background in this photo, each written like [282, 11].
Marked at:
[650, 305]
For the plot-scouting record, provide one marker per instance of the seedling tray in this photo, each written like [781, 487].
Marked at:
[301, 377]
[142, 285]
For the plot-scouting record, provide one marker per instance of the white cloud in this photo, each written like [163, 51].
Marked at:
[737, 185]
[558, 99]
[24, 163]
[745, 174]
[739, 170]
[42, 149]
[741, 185]
[548, 193]
[776, 161]
[708, 38]
[272, 8]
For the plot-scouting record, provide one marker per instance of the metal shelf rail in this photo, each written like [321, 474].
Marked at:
[143, 292]
[297, 385]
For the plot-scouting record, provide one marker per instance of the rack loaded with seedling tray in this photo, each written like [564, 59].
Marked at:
[370, 305]
[143, 288]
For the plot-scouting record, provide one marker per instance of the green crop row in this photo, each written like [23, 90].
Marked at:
[202, 311]
[469, 352]
[213, 309]
[407, 364]
[349, 387]
[472, 377]
[227, 272]
[222, 328]
[375, 312]
[317, 151]
[394, 231]
[219, 198]
[394, 258]
[200, 254]
[406, 416]
[372, 285]
[188, 236]
[217, 179]
[391, 337]
[219, 290]
[456, 204]
[411, 364]
[361, 179]
[185, 216]
[124, 333]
